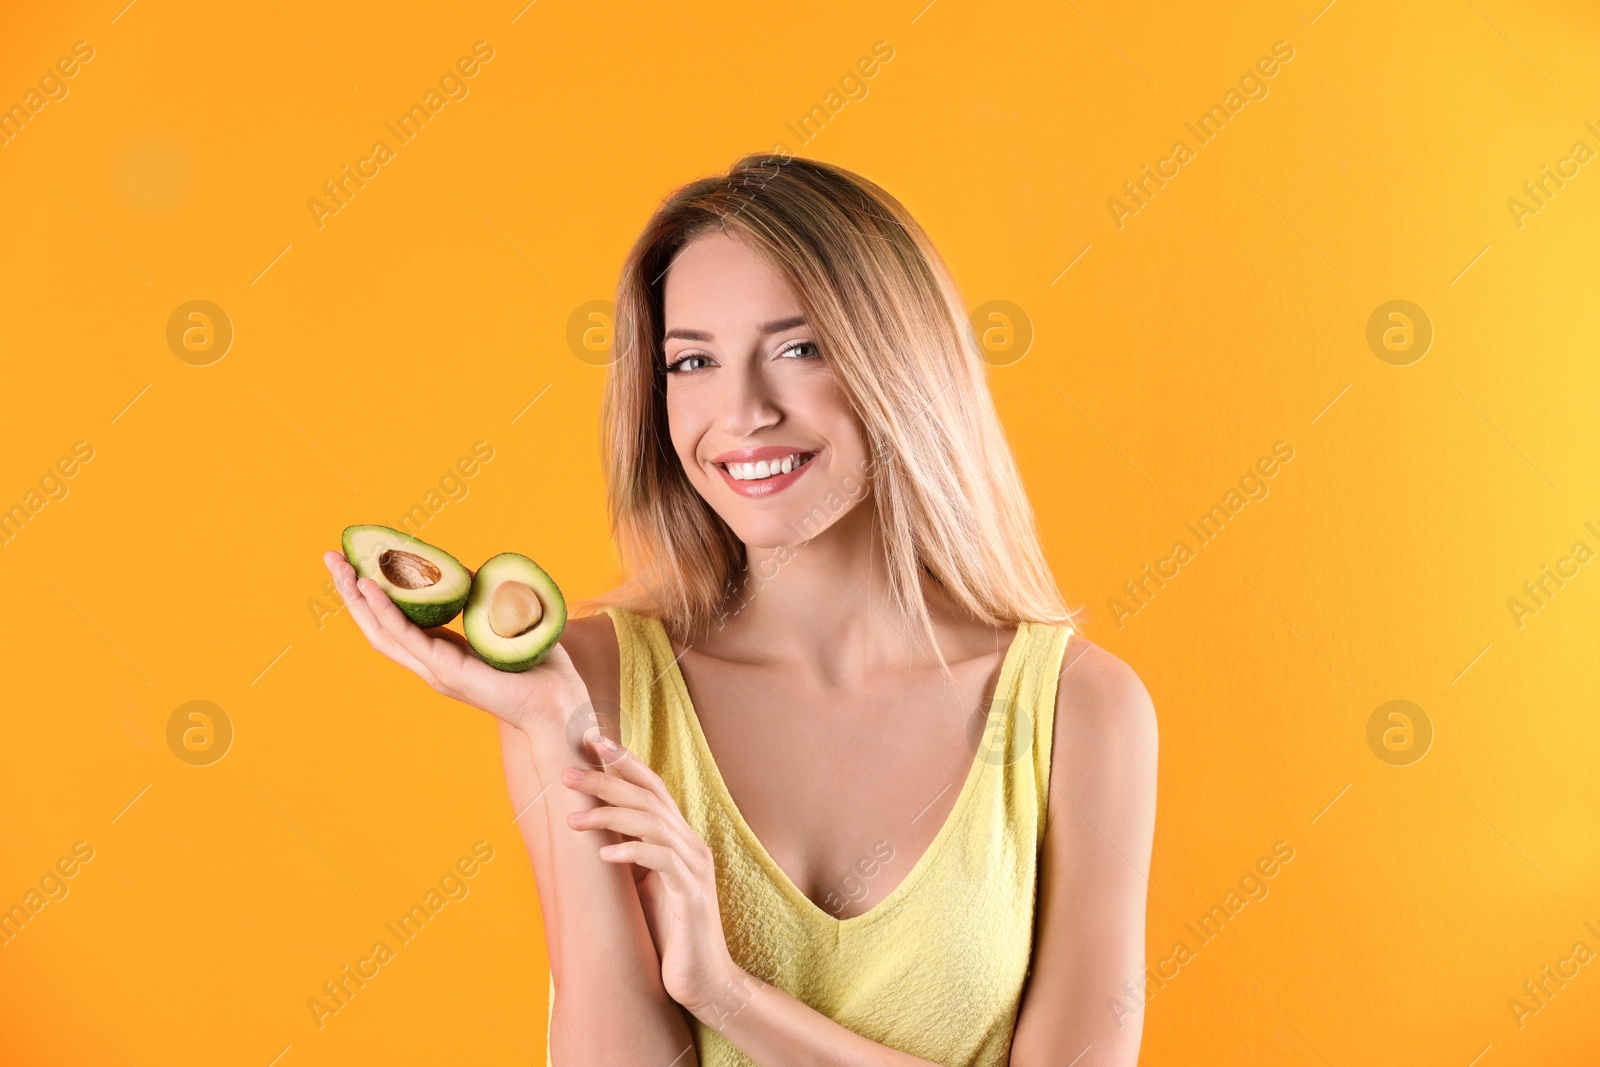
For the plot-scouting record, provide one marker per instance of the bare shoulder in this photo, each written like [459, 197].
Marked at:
[1093, 872]
[591, 642]
[1105, 720]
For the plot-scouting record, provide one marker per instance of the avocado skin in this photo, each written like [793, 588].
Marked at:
[428, 615]
[517, 666]
[559, 603]
[423, 615]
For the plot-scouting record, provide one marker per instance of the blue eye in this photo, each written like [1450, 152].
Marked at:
[672, 367]
[793, 348]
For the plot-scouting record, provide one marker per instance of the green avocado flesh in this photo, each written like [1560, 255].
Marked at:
[428, 584]
[515, 613]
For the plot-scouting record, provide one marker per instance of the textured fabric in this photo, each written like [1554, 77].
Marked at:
[934, 969]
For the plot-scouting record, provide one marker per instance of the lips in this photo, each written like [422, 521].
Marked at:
[760, 452]
[758, 472]
[755, 470]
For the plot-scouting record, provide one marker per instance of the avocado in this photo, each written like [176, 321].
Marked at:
[428, 584]
[515, 613]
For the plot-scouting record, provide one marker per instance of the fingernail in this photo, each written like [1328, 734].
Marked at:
[572, 774]
[607, 745]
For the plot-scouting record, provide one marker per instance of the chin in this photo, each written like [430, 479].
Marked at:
[765, 532]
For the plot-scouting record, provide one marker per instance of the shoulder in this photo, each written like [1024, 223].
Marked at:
[1093, 882]
[591, 642]
[1106, 735]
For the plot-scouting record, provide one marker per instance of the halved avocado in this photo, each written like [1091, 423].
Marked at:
[515, 613]
[428, 584]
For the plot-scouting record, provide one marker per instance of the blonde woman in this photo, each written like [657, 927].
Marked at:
[876, 800]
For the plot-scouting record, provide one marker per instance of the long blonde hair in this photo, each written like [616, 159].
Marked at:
[893, 329]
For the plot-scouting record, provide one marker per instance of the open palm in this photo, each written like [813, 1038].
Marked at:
[534, 698]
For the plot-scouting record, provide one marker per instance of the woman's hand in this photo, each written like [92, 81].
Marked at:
[676, 877]
[539, 698]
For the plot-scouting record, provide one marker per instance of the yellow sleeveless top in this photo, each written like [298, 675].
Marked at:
[936, 968]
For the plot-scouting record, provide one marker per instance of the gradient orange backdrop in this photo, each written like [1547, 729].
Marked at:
[1172, 348]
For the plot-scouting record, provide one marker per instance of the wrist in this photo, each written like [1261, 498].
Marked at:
[723, 994]
[544, 718]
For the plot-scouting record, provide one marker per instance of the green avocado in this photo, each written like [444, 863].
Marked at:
[515, 613]
[428, 584]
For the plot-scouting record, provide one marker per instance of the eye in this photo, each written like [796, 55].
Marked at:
[793, 346]
[675, 365]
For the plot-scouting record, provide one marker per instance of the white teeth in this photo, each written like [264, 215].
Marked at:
[745, 472]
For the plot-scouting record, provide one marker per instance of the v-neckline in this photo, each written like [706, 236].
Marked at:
[779, 876]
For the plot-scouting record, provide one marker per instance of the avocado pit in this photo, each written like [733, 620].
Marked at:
[515, 613]
[407, 570]
[514, 609]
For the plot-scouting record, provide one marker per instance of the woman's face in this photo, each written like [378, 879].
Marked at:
[762, 428]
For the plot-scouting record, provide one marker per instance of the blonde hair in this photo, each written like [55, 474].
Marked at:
[893, 329]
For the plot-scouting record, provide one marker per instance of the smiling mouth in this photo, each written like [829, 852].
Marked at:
[763, 469]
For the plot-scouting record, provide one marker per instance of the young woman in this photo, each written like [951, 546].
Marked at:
[878, 802]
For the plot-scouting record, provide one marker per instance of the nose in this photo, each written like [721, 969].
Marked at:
[747, 403]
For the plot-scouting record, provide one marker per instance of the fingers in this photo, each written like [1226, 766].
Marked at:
[633, 772]
[661, 839]
[631, 769]
[630, 821]
[443, 659]
[344, 580]
[366, 619]
[613, 791]
[659, 858]
[640, 807]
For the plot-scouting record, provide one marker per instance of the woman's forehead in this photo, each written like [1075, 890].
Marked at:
[719, 283]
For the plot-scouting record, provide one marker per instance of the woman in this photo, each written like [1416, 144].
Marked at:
[879, 802]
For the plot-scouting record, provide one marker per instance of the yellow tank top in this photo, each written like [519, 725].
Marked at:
[936, 968]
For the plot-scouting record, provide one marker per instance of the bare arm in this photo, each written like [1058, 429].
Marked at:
[610, 1006]
[1089, 936]
[776, 1030]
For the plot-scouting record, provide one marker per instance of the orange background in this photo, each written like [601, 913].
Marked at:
[371, 353]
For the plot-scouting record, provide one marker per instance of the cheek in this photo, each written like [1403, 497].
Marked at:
[822, 405]
[685, 423]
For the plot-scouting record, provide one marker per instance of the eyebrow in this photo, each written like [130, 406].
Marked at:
[776, 326]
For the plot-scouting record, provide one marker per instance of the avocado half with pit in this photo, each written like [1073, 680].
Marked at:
[515, 613]
[428, 584]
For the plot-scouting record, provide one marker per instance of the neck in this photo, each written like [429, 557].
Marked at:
[825, 604]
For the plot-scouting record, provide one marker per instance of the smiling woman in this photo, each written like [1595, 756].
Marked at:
[798, 397]
[870, 341]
